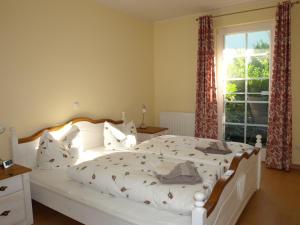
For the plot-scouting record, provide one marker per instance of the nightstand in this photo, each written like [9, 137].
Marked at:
[147, 133]
[15, 197]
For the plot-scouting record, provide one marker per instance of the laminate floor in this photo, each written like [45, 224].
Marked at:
[277, 203]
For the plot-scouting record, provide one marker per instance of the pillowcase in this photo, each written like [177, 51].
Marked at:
[54, 154]
[71, 138]
[119, 137]
[130, 128]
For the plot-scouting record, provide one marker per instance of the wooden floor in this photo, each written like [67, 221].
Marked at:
[277, 203]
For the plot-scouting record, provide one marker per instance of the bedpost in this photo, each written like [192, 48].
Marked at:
[199, 212]
[13, 142]
[258, 145]
[124, 118]
[258, 141]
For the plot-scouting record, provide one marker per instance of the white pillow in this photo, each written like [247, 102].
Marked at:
[91, 135]
[130, 128]
[71, 138]
[121, 137]
[54, 154]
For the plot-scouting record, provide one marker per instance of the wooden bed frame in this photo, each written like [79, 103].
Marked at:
[224, 206]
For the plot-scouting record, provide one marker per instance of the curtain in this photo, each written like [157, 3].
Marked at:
[279, 144]
[206, 117]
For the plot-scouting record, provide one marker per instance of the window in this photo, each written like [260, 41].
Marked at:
[245, 82]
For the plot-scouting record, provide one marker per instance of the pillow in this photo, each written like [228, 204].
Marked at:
[130, 128]
[91, 135]
[54, 154]
[71, 138]
[121, 137]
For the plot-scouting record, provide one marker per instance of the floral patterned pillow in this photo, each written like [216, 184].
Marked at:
[119, 137]
[55, 154]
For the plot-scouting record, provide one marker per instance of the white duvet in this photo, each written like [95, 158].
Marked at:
[131, 174]
[183, 147]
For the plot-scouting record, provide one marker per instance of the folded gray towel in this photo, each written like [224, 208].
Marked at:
[219, 147]
[183, 173]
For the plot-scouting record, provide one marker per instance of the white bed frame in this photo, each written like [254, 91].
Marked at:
[224, 206]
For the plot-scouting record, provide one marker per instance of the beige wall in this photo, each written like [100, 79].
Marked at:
[55, 52]
[175, 51]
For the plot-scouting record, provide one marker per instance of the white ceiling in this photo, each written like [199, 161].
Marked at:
[155, 10]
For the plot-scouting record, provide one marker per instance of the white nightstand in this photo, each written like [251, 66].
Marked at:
[15, 197]
[144, 134]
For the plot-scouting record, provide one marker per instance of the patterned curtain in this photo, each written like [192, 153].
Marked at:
[206, 101]
[279, 144]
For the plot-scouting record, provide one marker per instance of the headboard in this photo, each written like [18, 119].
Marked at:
[91, 132]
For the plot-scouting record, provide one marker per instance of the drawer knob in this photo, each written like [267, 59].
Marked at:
[5, 213]
[3, 188]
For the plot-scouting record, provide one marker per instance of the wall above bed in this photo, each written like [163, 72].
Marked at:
[56, 52]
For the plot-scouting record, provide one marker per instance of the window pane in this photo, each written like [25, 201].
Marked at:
[236, 68]
[233, 86]
[258, 67]
[234, 133]
[246, 60]
[257, 113]
[258, 86]
[258, 97]
[235, 97]
[253, 131]
[235, 41]
[259, 42]
[235, 112]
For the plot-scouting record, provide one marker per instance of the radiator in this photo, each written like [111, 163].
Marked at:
[178, 123]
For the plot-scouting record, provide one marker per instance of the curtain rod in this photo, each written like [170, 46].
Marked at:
[250, 10]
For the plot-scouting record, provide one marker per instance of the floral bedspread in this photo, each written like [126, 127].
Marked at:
[183, 147]
[132, 175]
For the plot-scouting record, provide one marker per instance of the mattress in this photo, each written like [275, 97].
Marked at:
[58, 182]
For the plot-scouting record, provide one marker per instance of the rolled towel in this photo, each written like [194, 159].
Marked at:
[219, 147]
[183, 173]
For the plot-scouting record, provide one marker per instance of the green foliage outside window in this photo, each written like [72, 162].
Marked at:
[258, 69]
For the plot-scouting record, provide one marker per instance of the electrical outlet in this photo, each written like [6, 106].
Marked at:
[298, 147]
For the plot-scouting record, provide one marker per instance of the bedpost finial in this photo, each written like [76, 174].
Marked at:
[199, 212]
[258, 136]
[199, 199]
[258, 141]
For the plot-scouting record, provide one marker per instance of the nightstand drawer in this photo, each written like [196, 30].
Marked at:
[10, 185]
[12, 209]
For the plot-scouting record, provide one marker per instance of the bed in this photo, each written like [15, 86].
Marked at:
[55, 189]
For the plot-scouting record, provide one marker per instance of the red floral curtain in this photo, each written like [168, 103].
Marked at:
[279, 144]
[206, 101]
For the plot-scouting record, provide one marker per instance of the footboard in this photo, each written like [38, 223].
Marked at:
[231, 193]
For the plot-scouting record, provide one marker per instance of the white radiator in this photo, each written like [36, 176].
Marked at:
[178, 123]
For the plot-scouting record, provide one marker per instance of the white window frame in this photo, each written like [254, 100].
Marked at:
[252, 27]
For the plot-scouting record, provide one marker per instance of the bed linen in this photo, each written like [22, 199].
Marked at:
[57, 181]
[183, 147]
[132, 175]
[90, 154]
